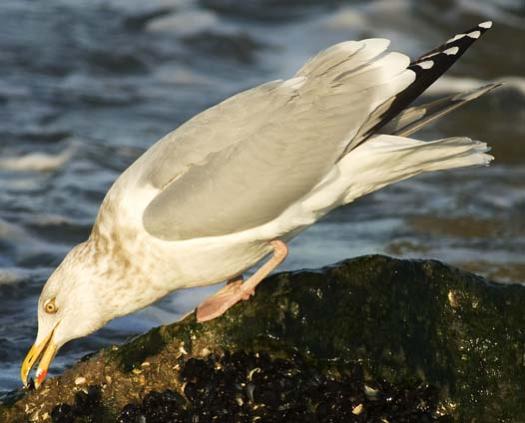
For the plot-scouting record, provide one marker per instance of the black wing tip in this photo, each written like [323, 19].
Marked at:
[455, 46]
[472, 33]
[483, 26]
[430, 66]
[486, 24]
[437, 61]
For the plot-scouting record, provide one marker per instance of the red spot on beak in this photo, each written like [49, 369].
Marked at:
[41, 376]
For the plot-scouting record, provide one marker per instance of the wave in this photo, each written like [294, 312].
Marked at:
[36, 162]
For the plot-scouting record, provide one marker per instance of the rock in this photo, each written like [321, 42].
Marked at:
[367, 339]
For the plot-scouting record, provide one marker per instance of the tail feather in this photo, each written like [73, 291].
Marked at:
[386, 159]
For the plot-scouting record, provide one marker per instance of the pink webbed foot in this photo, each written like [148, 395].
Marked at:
[219, 303]
[237, 290]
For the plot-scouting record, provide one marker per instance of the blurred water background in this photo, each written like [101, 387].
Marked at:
[87, 86]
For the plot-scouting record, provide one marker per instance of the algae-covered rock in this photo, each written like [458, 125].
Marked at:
[368, 339]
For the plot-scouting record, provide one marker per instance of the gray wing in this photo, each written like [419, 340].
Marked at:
[248, 159]
[204, 135]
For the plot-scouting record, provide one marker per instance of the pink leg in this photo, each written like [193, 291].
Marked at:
[236, 279]
[236, 290]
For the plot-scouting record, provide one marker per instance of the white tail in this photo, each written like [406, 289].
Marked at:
[386, 159]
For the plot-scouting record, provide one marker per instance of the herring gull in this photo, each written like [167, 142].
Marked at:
[235, 183]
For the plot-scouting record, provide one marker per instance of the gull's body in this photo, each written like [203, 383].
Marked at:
[238, 181]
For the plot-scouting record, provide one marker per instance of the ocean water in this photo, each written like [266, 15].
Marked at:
[86, 87]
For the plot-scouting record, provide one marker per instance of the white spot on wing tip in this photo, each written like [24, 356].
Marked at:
[451, 51]
[474, 34]
[455, 37]
[427, 64]
[486, 25]
[428, 56]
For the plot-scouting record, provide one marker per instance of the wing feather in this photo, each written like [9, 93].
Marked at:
[414, 118]
[242, 163]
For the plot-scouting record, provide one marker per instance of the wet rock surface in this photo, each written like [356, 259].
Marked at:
[368, 340]
[244, 387]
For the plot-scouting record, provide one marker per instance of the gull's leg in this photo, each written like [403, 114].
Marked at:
[235, 290]
[235, 280]
[230, 283]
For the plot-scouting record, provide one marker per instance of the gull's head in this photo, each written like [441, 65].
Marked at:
[68, 308]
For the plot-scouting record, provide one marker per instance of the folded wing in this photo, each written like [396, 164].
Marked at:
[242, 163]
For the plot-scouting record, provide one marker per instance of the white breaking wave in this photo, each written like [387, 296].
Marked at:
[12, 275]
[36, 162]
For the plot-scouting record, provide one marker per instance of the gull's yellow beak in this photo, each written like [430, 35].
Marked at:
[45, 351]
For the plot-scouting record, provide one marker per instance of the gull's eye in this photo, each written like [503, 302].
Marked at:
[50, 306]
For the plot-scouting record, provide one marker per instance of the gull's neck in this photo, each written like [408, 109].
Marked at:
[121, 274]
